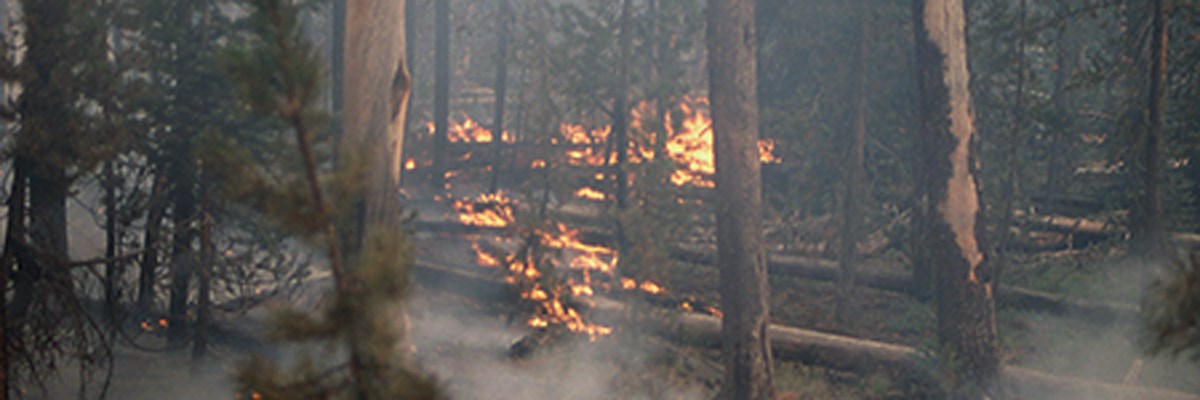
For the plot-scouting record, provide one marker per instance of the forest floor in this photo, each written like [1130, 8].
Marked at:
[466, 342]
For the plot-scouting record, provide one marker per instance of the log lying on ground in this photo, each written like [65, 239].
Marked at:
[827, 270]
[1091, 229]
[1020, 298]
[865, 356]
[797, 344]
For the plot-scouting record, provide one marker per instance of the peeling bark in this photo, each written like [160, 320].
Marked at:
[963, 280]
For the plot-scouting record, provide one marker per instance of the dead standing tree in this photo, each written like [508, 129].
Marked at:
[744, 290]
[948, 240]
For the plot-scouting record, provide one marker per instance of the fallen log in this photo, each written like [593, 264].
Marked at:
[812, 268]
[1019, 298]
[865, 356]
[798, 344]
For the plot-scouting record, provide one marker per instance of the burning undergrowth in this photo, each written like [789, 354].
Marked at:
[556, 269]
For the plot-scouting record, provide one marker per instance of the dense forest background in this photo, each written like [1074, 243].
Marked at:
[188, 183]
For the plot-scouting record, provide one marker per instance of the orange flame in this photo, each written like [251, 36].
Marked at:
[489, 210]
[590, 194]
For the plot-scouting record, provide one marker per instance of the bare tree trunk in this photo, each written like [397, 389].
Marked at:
[204, 290]
[111, 245]
[1009, 186]
[14, 233]
[744, 290]
[184, 214]
[620, 114]
[441, 91]
[1148, 221]
[501, 90]
[854, 185]
[150, 243]
[376, 97]
[337, 49]
[963, 277]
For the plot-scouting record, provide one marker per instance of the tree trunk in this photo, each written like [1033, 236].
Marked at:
[111, 243]
[1060, 161]
[1148, 224]
[337, 70]
[962, 274]
[14, 234]
[183, 216]
[204, 290]
[441, 91]
[150, 244]
[854, 185]
[744, 291]
[501, 91]
[620, 112]
[376, 97]
[1009, 185]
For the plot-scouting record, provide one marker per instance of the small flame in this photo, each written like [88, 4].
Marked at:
[590, 194]
[488, 210]
[651, 287]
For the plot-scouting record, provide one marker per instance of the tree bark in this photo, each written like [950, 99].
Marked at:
[620, 112]
[204, 285]
[337, 70]
[150, 241]
[376, 95]
[441, 91]
[501, 90]
[962, 274]
[14, 234]
[744, 290]
[1147, 216]
[854, 185]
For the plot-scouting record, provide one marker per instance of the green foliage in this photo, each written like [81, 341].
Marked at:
[275, 73]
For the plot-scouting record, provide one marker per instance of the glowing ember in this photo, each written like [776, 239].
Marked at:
[538, 164]
[590, 194]
[651, 287]
[410, 165]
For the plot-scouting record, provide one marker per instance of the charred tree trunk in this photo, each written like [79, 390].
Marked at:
[441, 91]
[744, 291]
[1148, 221]
[854, 185]
[501, 91]
[14, 235]
[962, 274]
[620, 115]
[111, 243]
[204, 289]
[150, 242]
[183, 216]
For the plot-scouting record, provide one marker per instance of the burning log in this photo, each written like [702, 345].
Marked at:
[865, 356]
[1020, 298]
